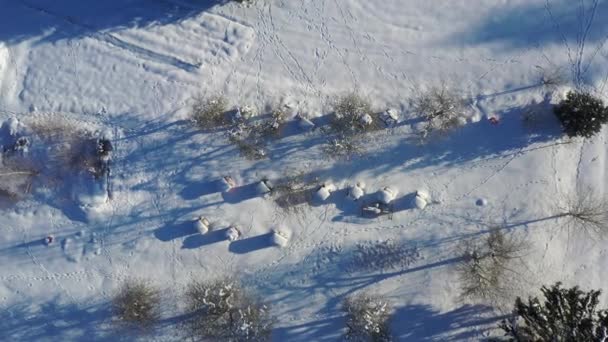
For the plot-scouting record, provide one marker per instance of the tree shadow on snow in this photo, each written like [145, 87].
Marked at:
[326, 329]
[533, 22]
[421, 323]
[335, 275]
[53, 321]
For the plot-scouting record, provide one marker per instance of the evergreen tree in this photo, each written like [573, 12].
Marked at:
[566, 315]
[581, 114]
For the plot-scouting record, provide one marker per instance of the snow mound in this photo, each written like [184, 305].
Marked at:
[387, 195]
[280, 237]
[420, 202]
[245, 113]
[390, 117]
[233, 233]
[422, 199]
[202, 225]
[356, 191]
[324, 192]
[366, 120]
[227, 183]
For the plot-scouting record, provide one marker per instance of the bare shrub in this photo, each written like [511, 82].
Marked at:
[249, 145]
[222, 310]
[586, 212]
[487, 265]
[269, 127]
[553, 77]
[294, 191]
[55, 129]
[351, 115]
[383, 256]
[441, 109]
[210, 112]
[137, 303]
[251, 137]
[70, 146]
[15, 179]
[344, 147]
[367, 319]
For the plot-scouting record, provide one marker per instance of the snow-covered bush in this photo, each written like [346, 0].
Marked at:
[352, 114]
[251, 138]
[210, 112]
[390, 117]
[245, 113]
[487, 264]
[441, 109]
[581, 114]
[270, 127]
[222, 310]
[137, 303]
[367, 319]
[250, 145]
[562, 315]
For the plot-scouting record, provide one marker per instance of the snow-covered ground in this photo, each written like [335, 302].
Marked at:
[127, 70]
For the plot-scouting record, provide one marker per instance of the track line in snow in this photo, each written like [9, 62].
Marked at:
[117, 42]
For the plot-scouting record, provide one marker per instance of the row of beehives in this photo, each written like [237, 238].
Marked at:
[379, 203]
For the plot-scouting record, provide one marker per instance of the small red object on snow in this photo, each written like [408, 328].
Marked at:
[48, 240]
[493, 120]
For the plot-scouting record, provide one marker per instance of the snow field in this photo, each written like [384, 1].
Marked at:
[134, 72]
